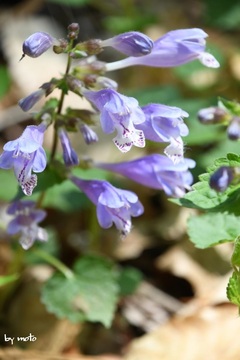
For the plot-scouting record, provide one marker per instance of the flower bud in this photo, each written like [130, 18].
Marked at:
[91, 47]
[29, 101]
[37, 43]
[233, 129]
[88, 134]
[69, 154]
[73, 27]
[212, 115]
[221, 178]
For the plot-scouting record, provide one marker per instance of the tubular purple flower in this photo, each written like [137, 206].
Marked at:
[131, 43]
[88, 134]
[25, 155]
[165, 124]
[175, 48]
[113, 205]
[157, 172]
[69, 154]
[29, 101]
[25, 222]
[121, 113]
[37, 43]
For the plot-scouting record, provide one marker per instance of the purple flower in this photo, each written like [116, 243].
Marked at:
[29, 101]
[131, 43]
[165, 124]
[175, 48]
[121, 113]
[157, 172]
[88, 134]
[221, 178]
[69, 154]
[25, 155]
[113, 205]
[37, 43]
[25, 222]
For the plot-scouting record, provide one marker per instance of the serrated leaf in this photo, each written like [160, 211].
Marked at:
[213, 228]
[235, 259]
[91, 294]
[233, 289]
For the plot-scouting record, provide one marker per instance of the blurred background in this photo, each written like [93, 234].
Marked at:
[171, 274]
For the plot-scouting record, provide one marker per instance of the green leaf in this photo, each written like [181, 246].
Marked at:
[4, 280]
[235, 259]
[90, 295]
[129, 280]
[233, 288]
[9, 185]
[5, 80]
[232, 106]
[213, 228]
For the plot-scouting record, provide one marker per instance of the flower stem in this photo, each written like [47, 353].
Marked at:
[59, 110]
[56, 263]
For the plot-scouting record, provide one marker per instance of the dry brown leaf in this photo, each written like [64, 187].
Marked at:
[207, 335]
[209, 288]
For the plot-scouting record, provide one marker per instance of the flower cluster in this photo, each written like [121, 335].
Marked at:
[117, 113]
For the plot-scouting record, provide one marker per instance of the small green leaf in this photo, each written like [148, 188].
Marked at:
[90, 295]
[235, 260]
[4, 280]
[233, 288]
[213, 228]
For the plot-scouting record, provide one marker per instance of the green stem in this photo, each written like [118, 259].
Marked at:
[59, 110]
[56, 263]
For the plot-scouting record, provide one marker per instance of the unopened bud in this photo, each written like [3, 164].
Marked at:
[88, 134]
[37, 43]
[233, 129]
[91, 47]
[74, 27]
[221, 178]
[69, 154]
[29, 101]
[74, 84]
[212, 115]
